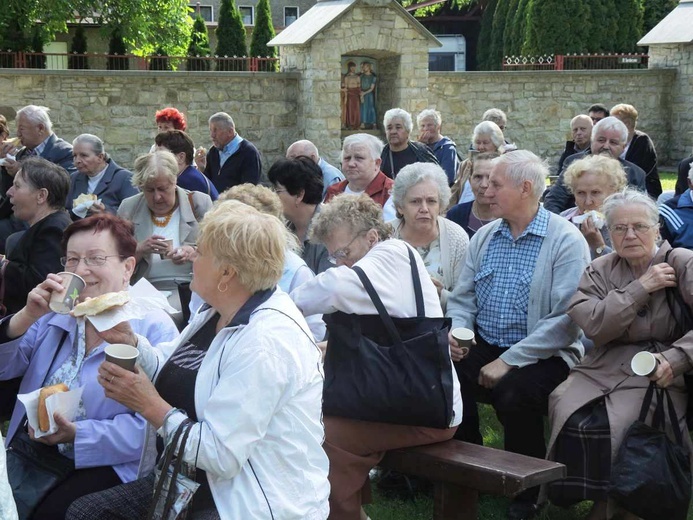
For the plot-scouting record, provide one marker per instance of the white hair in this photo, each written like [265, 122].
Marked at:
[415, 173]
[37, 115]
[490, 129]
[398, 113]
[496, 115]
[94, 142]
[429, 113]
[587, 119]
[629, 196]
[523, 165]
[610, 123]
[222, 119]
[690, 173]
[370, 142]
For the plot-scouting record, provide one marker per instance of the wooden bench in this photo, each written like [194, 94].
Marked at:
[460, 470]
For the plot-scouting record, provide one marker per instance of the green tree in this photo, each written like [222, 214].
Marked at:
[483, 46]
[262, 33]
[199, 46]
[78, 46]
[231, 37]
[655, 10]
[556, 27]
[160, 61]
[518, 24]
[509, 27]
[38, 60]
[116, 48]
[630, 14]
[495, 58]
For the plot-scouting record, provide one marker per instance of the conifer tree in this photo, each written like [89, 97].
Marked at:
[231, 37]
[495, 58]
[629, 26]
[37, 61]
[199, 46]
[78, 46]
[483, 47]
[508, 31]
[262, 33]
[160, 61]
[116, 48]
[655, 10]
[518, 23]
[555, 27]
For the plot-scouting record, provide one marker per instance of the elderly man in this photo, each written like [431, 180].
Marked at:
[430, 123]
[609, 136]
[182, 147]
[232, 160]
[597, 112]
[676, 217]
[640, 149]
[581, 128]
[399, 150]
[35, 131]
[305, 148]
[519, 275]
[361, 166]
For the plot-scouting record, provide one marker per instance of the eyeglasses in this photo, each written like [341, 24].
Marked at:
[638, 229]
[343, 253]
[91, 261]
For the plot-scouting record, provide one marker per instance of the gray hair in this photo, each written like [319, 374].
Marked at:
[578, 117]
[306, 147]
[429, 113]
[490, 129]
[627, 197]
[398, 113]
[371, 142]
[222, 119]
[151, 165]
[610, 123]
[37, 115]
[690, 173]
[94, 142]
[523, 165]
[496, 115]
[416, 173]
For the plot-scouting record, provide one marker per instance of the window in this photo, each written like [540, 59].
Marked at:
[247, 14]
[206, 11]
[290, 15]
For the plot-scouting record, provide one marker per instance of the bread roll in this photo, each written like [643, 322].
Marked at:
[14, 141]
[46, 392]
[84, 197]
[94, 306]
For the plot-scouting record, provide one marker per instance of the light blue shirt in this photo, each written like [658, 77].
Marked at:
[230, 149]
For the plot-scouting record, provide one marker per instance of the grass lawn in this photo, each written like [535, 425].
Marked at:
[668, 179]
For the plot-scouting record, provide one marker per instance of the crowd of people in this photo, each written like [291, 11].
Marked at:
[561, 286]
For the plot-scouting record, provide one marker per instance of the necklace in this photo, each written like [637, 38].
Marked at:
[162, 222]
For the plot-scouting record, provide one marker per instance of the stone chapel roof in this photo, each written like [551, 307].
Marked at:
[325, 12]
[676, 27]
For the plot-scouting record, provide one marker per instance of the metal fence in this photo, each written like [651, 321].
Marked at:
[95, 61]
[576, 62]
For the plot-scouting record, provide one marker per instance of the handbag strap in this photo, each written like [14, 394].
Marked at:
[646, 402]
[418, 293]
[677, 305]
[673, 418]
[382, 312]
[659, 416]
[170, 497]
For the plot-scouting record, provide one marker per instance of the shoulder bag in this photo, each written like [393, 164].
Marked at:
[651, 475]
[392, 370]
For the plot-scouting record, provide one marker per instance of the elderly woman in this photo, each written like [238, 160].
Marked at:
[487, 137]
[105, 439]
[361, 165]
[166, 220]
[37, 196]
[246, 372]
[352, 229]
[299, 183]
[421, 192]
[640, 149]
[99, 175]
[621, 305]
[591, 180]
[399, 150]
[475, 213]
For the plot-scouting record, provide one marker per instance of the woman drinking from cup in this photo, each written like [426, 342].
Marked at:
[621, 305]
[105, 439]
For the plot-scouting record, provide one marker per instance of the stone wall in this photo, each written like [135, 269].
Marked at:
[119, 107]
[678, 57]
[541, 104]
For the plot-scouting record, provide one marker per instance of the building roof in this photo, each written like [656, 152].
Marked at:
[676, 27]
[325, 13]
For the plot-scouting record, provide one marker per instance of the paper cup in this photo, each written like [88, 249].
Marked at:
[63, 301]
[169, 246]
[463, 336]
[124, 356]
[643, 364]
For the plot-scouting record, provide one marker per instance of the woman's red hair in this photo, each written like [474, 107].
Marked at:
[173, 116]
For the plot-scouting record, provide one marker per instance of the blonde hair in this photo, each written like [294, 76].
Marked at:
[249, 242]
[151, 165]
[625, 113]
[359, 213]
[607, 168]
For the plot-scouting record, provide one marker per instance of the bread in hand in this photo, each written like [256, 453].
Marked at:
[84, 197]
[99, 304]
[45, 393]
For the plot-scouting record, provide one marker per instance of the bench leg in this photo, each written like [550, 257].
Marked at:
[455, 502]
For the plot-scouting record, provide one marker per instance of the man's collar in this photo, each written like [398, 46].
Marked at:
[232, 144]
[538, 226]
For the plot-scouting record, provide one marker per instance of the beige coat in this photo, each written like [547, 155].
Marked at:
[606, 307]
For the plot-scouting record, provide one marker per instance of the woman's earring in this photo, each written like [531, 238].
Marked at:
[226, 286]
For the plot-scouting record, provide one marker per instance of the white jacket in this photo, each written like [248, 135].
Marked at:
[258, 399]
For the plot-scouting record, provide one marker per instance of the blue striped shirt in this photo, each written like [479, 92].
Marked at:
[503, 281]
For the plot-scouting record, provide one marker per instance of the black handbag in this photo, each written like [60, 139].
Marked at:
[392, 370]
[651, 476]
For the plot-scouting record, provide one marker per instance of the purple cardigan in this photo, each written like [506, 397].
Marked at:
[112, 435]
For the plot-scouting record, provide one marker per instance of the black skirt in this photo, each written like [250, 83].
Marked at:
[584, 446]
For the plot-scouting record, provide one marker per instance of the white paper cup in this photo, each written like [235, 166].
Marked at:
[63, 301]
[124, 356]
[169, 246]
[463, 336]
[643, 364]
